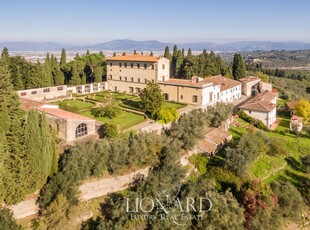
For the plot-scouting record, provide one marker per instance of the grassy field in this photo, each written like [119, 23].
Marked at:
[171, 105]
[271, 167]
[122, 121]
[78, 103]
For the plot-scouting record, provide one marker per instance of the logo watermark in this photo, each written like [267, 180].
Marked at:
[168, 208]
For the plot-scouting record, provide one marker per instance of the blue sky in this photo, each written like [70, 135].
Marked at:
[91, 21]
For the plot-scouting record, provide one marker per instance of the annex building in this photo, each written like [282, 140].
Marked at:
[131, 73]
[263, 107]
[69, 126]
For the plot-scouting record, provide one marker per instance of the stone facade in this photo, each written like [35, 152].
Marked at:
[131, 73]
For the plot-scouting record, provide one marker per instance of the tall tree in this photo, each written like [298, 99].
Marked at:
[7, 221]
[151, 99]
[98, 71]
[167, 53]
[189, 53]
[63, 58]
[238, 68]
[13, 182]
[40, 148]
[75, 78]
[48, 71]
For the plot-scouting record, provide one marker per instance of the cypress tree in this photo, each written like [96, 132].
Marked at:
[58, 76]
[98, 71]
[87, 53]
[238, 68]
[63, 59]
[189, 53]
[178, 62]
[167, 53]
[151, 54]
[5, 56]
[114, 54]
[12, 153]
[135, 52]
[17, 79]
[48, 70]
[175, 51]
[40, 148]
[75, 78]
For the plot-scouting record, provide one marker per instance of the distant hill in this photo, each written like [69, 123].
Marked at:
[127, 44]
[32, 46]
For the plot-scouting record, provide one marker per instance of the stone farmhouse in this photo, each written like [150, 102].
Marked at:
[262, 107]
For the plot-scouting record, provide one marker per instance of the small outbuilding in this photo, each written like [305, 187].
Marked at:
[214, 140]
[296, 124]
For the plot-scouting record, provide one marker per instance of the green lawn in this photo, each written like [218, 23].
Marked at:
[171, 105]
[281, 101]
[78, 103]
[284, 124]
[122, 121]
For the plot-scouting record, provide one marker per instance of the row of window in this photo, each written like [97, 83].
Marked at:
[137, 65]
[131, 79]
[46, 90]
[132, 65]
[194, 98]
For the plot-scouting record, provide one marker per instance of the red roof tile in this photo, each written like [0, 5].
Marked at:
[224, 82]
[134, 57]
[261, 102]
[64, 114]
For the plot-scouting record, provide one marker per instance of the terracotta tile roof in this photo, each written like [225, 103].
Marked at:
[64, 114]
[184, 82]
[29, 104]
[268, 96]
[207, 146]
[296, 119]
[261, 102]
[213, 138]
[248, 79]
[134, 57]
[291, 104]
[217, 135]
[224, 82]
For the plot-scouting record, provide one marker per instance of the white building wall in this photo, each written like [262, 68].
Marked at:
[215, 91]
[43, 93]
[268, 118]
[163, 70]
[231, 94]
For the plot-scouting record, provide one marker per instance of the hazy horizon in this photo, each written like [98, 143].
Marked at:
[89, 22]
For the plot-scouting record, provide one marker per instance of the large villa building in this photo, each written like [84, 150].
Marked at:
[131, 73]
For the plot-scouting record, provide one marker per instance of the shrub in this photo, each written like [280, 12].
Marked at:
[200, 161]
[257, 123]
[109, 111]
[167, 115]
[110, 130]
[71, 108]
